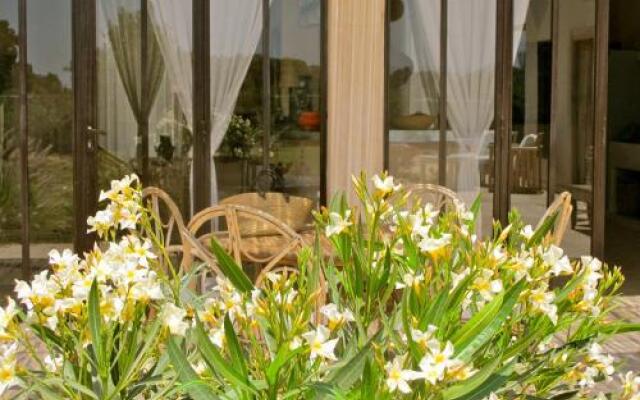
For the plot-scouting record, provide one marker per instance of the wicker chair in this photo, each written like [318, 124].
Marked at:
[293, 211]
[250, 235]
[441, 197]
[169, 222]
[563, 208]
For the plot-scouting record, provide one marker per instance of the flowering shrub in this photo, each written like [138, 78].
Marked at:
[85, 329]
[414, 306]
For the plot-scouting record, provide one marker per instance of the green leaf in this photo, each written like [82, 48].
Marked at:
[282, 357]
[620, 327]
[230, 269]
[469, 385]
[546, 227]
[216, 362]
[493, 383]
[95, 328]
[190, 380]
[487, 324]
[234, 348]
[350, 372]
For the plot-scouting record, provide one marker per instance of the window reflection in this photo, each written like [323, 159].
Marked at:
[10, 192]
[295, 125]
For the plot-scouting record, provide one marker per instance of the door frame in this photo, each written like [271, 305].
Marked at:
[84, 119]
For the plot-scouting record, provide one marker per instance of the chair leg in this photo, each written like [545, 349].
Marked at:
[574, 214]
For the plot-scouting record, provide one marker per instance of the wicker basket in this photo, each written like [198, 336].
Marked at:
[293, 211]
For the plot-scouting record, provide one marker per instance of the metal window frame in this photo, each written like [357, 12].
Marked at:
[504, 104]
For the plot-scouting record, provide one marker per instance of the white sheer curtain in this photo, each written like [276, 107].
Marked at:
[236, 27]
[471, 55]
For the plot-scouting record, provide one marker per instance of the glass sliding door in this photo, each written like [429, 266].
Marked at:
[50, 127]
[572, 140]
[441, 89]
[531, 108]
[414, 92]
[267, 131]
[10, 171]
[622, 237]
[143, 58]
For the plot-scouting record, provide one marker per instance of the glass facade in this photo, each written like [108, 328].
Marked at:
[252, 82]
[274, 145]
[10, 167]
[50, 127]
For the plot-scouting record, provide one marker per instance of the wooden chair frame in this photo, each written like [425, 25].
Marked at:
[234, 242]
[156, 199]
[561, 205]
[441, 197]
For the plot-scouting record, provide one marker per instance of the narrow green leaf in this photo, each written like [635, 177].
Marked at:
[190, 380]
[620, 327]
[349, 373]
[485, 332]
[95, 329]
[282, 357]
[230, 269]
[541, 232]
[467, 386]
[493, 383]
[216, 362]
[234, 348]
[477, 323]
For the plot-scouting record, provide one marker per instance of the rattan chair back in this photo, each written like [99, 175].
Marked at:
[441, 197]
[563, 208]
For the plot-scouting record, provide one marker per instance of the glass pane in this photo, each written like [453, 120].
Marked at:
[531, 112]
[414, 86]
[144, 94]
[293, 146]
[295, 97]
[471, 44]
[10, 211]
[572, 160]
[622, 238]
[50, 118]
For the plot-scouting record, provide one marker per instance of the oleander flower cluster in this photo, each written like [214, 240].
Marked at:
[107, 295]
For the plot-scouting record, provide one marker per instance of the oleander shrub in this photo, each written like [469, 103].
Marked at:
[395, 299]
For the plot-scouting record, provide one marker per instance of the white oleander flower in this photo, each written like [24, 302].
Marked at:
[435, 363]
[173, 317]
[336, 318]
[6, 318]
[486, 286]
[41, 293]
[602, 362]
[521, 266]
[118, 187]
[527, 232]
[433, 245]
[385, 186]
[8, 376]
[295, 343]
[423, 338]
[411, 280]
[541, 300]
[337, 223]
[630, 386]
[399, 378]
[66, 259]
[558, 262]
[102, 222]
[460, 371]
[320, 344]
[53, 364]
[217, 337]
